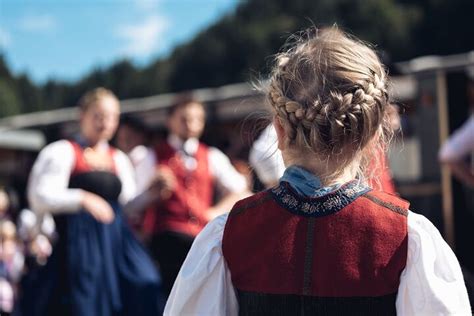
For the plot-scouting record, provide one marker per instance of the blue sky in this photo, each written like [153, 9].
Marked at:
[65, 39]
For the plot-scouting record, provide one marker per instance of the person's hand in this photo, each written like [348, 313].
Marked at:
[4, 202]
[97, 207]
[41, 248]
[163, 184]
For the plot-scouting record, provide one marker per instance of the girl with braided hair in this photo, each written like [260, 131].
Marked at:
[322, 242]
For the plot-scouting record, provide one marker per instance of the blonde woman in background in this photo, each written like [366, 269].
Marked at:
[97, 267]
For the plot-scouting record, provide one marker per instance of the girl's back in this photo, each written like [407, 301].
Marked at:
[322, 242]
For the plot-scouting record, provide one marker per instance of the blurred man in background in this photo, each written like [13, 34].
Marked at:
[186, 171]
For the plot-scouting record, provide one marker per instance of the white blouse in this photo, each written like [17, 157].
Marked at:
[144, 162]
[227, 178]
[48, 190]
[431, 284]
[265, 157]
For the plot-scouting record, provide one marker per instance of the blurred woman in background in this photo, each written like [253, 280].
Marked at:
[97, 266]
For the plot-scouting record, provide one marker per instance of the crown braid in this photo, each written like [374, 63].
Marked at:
[331, 93]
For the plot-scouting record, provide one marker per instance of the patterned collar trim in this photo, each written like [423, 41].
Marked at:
[327, 204]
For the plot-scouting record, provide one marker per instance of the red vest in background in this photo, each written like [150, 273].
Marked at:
[80, 163]
[341, 254]
[184, 211]
[382, 179]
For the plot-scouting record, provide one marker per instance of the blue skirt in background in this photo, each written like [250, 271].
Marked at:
[95, 270]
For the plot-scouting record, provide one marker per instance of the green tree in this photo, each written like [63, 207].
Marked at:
[9, 102]
[239, 46]
[29, 94]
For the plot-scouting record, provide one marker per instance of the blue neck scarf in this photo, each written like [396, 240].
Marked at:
[305, 182]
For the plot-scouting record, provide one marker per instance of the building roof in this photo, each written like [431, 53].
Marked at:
[29, 140]
[448, 63]
[231, 102]
[137, 106]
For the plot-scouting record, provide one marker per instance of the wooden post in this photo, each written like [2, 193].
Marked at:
[446, 186]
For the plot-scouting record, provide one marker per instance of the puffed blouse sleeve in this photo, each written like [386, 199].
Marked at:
[47, 189]
[126, 174]
[203, 286]
[432, 282]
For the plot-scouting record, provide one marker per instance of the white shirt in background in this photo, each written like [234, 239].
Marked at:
[265, 157]
[460, 144]
[144, 162]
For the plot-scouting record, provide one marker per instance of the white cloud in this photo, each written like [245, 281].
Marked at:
[38, 23]
[5, 38]
[142, 39]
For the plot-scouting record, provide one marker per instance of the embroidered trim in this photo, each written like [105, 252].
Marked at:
[390, 206]
[317, 206]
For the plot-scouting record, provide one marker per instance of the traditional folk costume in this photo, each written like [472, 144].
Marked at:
[175, 222]
[299, 249]
[95, 268]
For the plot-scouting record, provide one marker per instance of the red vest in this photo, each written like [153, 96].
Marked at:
[184, 211]
[349, 243]
[80, 163]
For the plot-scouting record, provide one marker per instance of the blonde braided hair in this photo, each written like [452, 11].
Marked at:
[330, 93]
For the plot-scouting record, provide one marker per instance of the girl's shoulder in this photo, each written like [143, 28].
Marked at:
[251, 201]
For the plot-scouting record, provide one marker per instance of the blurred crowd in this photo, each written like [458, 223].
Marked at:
[25, 244]
[85, 193]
